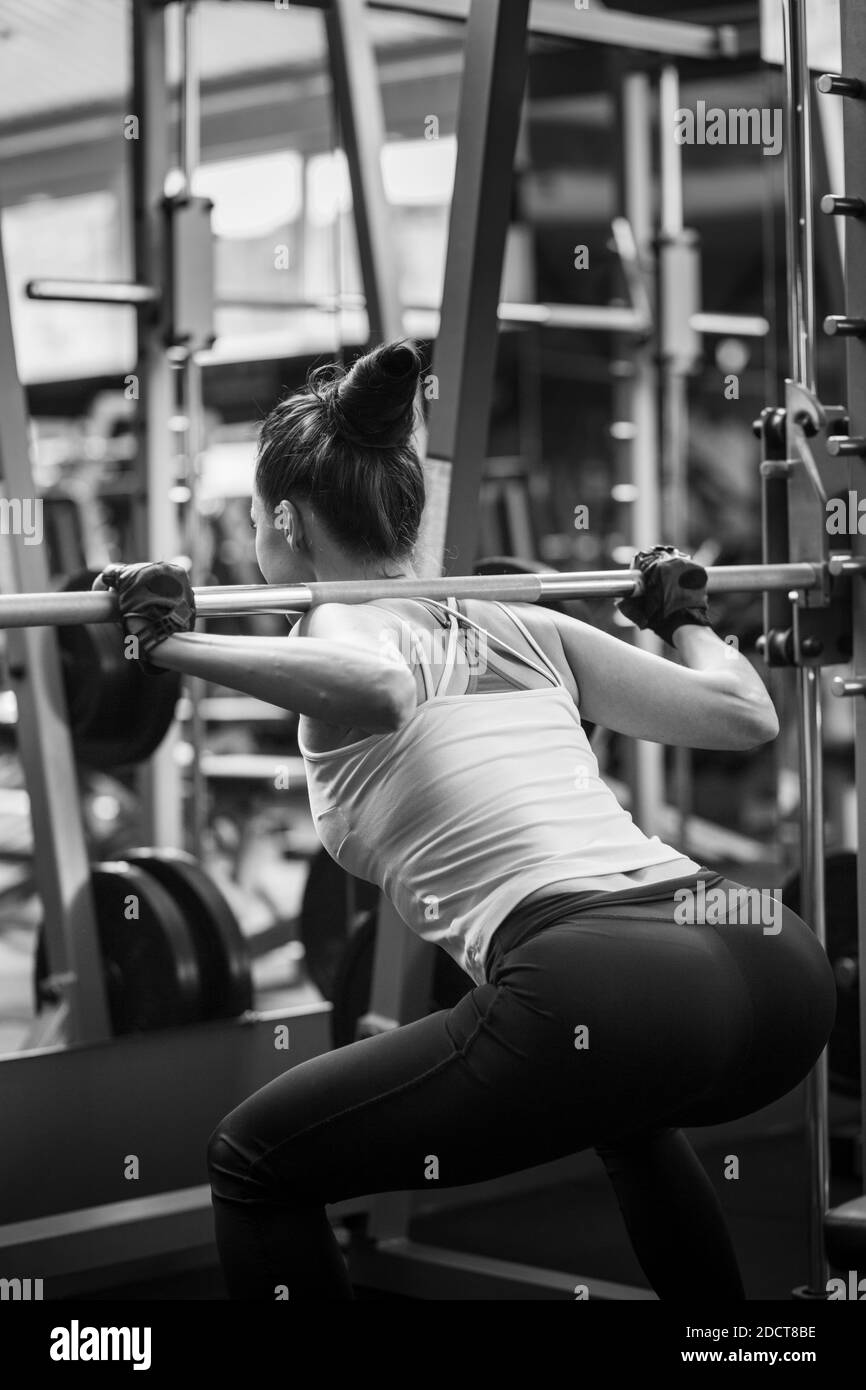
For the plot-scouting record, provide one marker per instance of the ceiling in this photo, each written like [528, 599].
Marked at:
[66, 55]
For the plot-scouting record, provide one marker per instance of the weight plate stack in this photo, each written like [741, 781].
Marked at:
[221, 951]
[118, 714]
[149, 959]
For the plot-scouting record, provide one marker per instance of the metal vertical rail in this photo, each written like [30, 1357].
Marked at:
[798, 188]
[158, 530]
[189, 115]
[361, 115]
[853, 15]
[61, 867]
[362, 123]
[674, 399]
[673, 378]
[189, 156]
[813, 910]
[494, 75]
[195, 686]
[647, 759]
[801, 329]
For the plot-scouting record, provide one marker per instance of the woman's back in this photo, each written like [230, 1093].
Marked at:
[489, 793]
[415, 629]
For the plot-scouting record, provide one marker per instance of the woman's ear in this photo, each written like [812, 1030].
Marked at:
[286, 519]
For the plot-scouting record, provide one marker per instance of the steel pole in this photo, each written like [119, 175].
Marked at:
[673, 382]
[640, 394]
[157, 531]
[801, 328]
[800, 241]
[189, 155]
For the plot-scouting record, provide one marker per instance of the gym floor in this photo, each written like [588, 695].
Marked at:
[576, 1227]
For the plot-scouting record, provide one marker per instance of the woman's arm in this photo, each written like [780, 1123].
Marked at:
[340, 678]
[714, 700]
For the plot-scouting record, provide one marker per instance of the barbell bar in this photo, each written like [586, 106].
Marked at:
[68, 609]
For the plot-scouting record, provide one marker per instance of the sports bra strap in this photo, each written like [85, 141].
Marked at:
[430, 687]
[546, 669]
[450, 653]
[417, 649]
[532, 642]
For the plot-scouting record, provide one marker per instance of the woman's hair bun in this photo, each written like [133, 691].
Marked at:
[373, 405]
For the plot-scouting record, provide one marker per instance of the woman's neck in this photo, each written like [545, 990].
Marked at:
[383, 569]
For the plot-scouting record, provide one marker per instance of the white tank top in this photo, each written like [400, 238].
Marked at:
[476, 802]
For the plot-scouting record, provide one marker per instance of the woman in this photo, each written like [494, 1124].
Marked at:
[464, 787]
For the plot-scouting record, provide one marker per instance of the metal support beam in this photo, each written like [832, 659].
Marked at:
[91, 292]
[358, 101]
[595, 24]
[853, 16]
[678, 294]
[158, 1095]
[801, 330]
[636, 396]
[361, 120]
[60, 862]
[592, 22]
[158, 532]
[798, 197]
[192, 397]
[464, 362]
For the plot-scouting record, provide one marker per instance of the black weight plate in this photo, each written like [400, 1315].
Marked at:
[151, 970]
[118, 714]
[354, 981]
[223, 958]
[843, 1053]
[100, 683]
[149, 962]
[331, 896]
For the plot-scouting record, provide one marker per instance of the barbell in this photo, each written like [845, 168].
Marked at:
[119, 716]
[218, 601]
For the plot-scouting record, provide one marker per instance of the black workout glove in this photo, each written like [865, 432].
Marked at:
[674, 592]
[155, 601]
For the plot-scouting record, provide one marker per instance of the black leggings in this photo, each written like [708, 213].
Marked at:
[607, 1029]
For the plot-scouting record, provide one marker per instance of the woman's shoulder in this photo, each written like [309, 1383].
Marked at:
[361, 620]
